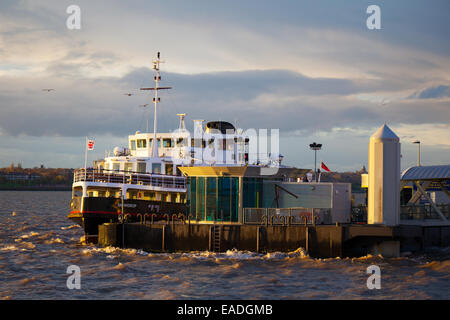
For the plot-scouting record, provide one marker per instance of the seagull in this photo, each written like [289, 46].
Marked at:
[143, 105]
[128, 94]
[48, 90]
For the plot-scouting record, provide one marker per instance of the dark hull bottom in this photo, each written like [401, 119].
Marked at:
[97, 211]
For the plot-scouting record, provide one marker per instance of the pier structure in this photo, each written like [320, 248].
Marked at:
[384, 178]
[237, 207]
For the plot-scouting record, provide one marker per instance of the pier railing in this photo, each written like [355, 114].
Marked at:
[283, 216]
[407, 212]
[125, 177]
[423, 212]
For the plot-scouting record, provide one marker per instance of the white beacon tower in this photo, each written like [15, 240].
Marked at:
[384, 178]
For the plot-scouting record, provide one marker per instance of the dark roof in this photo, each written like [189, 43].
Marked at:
[427, 173]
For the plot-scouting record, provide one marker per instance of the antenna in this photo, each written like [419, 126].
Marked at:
[156, 99]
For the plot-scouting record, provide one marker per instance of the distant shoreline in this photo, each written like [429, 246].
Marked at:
[36, 188]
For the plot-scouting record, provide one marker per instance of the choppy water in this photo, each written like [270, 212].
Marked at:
[38, 243]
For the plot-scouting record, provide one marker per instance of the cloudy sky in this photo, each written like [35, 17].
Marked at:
[310, 68]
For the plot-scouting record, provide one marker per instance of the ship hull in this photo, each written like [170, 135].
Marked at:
[90, 212]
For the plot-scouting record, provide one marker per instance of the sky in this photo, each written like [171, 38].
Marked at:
[312, 69]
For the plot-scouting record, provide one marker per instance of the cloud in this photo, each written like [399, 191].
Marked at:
[308, 68]
[254, 98]
[434, 92]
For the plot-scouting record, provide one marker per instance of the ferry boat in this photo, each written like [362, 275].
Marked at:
[143, 181]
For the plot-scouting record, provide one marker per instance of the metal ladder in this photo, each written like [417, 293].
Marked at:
[217, 237]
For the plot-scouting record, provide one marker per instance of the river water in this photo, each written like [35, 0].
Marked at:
[38, 243]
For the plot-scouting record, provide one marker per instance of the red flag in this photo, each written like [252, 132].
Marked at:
[90, 145]
[324, 167]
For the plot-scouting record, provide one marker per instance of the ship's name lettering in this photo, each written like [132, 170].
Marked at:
[154, 207]
[129, 205]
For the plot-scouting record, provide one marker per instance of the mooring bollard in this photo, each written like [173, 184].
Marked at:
[307, 240]
[163, 237]
[257, 239]
[173, 216]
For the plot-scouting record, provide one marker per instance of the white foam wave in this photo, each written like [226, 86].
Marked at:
[29, 235]
[246, 255]
[114, 251]
[71, 227]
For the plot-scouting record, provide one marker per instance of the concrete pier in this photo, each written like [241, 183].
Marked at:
[321, 241]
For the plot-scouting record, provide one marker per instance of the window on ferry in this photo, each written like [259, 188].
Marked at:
[156, 167]
[167, 143]
[116, 166]
[128, 167]
[182, 142]
[169, 168]
[197, 143]
[150, 142]
[141, 167]
[221, 144]
[142, 143]
[133, 145]
[230, 144]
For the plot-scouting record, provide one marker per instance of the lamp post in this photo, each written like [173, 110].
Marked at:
[418, 152]
[315, 146]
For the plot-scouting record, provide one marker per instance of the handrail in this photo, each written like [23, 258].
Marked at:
[123, 177]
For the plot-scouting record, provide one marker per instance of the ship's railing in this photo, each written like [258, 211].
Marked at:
[283, 216]
[126, 177]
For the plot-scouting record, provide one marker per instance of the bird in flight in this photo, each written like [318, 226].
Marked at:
[143, 105]
[48, 90]
[128, 94]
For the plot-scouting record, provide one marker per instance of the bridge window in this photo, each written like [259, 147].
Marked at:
[133, 145]
[167, 143]
[182, 142]
[142, 143]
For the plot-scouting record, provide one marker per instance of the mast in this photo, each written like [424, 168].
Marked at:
[156, 99]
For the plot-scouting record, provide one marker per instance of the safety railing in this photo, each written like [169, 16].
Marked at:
[283, 216]
[407, 212]
[125, 177]
[424, 212]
